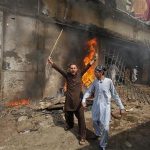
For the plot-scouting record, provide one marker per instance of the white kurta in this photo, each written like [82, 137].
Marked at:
[101, 108]
[134, 75]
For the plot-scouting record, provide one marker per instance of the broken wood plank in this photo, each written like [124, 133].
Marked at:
[46, 104]
[58, 106]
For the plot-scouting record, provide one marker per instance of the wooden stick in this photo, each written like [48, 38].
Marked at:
[65, 15]
[56, 42]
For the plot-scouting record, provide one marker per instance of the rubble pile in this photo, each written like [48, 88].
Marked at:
[40, 119]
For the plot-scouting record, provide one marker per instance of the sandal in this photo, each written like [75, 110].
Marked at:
[82, 142]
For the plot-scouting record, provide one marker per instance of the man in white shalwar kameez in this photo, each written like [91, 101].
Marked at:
[103, 90]
[134, 74]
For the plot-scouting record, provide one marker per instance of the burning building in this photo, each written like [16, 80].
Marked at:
[30, 28]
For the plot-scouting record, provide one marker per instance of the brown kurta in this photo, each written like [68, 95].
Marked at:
[74, 85]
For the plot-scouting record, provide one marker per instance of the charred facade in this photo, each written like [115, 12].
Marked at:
[29, 29]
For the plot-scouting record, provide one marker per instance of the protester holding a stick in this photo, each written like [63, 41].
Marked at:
[73, 97]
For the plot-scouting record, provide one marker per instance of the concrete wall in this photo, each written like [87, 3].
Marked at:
[20, 57]
[82, 11]
[87, 12]
[27, 43]
[127, 30]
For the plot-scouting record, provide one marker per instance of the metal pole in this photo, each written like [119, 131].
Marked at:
[121, 70]
[108, 57]
[104, 56]
[117, 58]
[119, 63]
[113, 56]
[119, 66]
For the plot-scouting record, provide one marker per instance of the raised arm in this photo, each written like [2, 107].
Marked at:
[88, 66]
[85, 69]
[57, 68]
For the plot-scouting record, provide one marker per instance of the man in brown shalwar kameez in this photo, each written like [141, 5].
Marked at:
[73, 97]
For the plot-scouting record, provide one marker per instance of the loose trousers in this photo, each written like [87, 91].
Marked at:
[101, 131]
[79, 113]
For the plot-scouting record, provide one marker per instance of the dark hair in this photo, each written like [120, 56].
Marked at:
[100, 68]
[103, 72]
[72, 64]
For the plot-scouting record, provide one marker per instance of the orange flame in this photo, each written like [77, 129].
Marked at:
[88, 77]
[16, 103]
